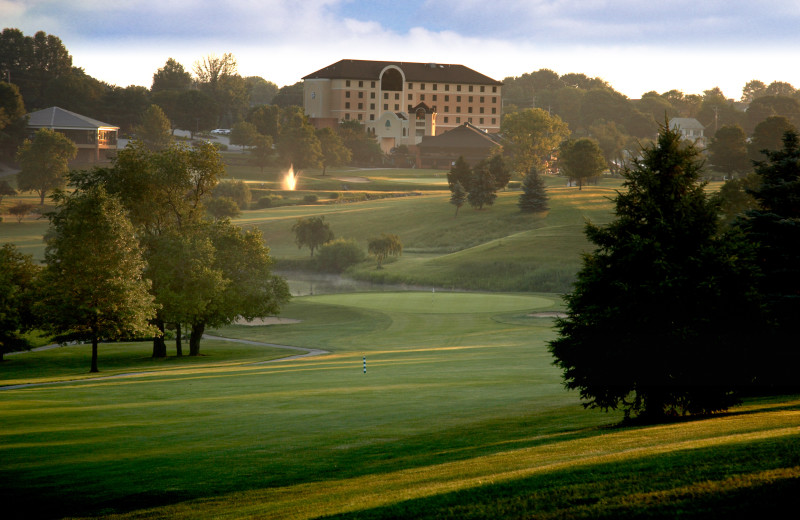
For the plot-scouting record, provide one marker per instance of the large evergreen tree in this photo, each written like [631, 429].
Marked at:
[659, 319]
[774, 229]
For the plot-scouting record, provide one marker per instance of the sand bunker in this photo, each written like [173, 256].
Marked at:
[272, 320]
[550, 314]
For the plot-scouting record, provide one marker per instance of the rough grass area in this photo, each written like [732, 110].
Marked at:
[460, 415]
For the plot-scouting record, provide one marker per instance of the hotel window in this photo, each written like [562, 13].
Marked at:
[447, 88]
[481, 99]
[458, 109]
[422, 86]
[385, 95]
[360, 95]
[372, 117]
[386, 106]
[446, 119]
[458, 120]
[494, 110]
[360, 83]
[469, 110]
[360, 106]
[396, 107]
[410, 86]
[482, 88]
[373, 84]
[360, 117]
[347, 83]
[458, 88]
[372, 95]
[347, 116]
[469, 119]
[372, 106]
[409, 109]
[410, 97]
[458, 99]
[396, 96]
[494, 89]
[447, 98]
[446, 108]
[470, 99]
[435, 86]
[481, 121]
[470, 89]
[481, 110]
[347, 94]
[494, 99]
[422, 97]
[434, 97]
[347, 105]
[494, 120]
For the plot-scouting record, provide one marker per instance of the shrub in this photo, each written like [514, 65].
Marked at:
[339, 254]
[311, 198]
[334, 195]
[222, 207]
[264, 202]
[239, 191]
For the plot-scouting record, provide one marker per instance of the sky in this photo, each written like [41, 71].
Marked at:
[635, 45]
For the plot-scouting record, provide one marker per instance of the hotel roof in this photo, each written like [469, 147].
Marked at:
[428, 72]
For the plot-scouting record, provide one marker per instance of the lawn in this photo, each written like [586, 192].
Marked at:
[460, 414]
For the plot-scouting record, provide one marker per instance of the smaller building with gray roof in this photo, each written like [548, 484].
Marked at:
[96, 141]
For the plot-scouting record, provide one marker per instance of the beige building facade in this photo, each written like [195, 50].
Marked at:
[400, 103]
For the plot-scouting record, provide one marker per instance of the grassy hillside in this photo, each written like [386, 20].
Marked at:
[460, 415]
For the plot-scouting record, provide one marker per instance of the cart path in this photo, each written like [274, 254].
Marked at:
[306, 352]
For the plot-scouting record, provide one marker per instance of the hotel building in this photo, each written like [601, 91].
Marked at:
[400, 103]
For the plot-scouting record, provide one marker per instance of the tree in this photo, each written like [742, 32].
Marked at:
[612, 142]
[195, 111]
[773, 229]
[17, 282]
[363, 147]
[238, 191]
[483, 187]
[735, 197]
[172, 76]
[311, 232]
[658, 322]
[212, 68]
[533, 136]
[262, 152]
[6, 190]
[251, 290]
[384, 246]
[92, 286]
[334, 152]
[298, 144]
[12, 119]
[243, 134]
[460, 173]
[534, 197]
[497, 167]
[261, 91]
[155, 131]
[728, 151]
[768, 135]
[44, 162]
[124, 106]
[33, 62]
[582, 159]
[20, 210]
[267, 119]
[458, 196]
[222, 207]
[753, 89]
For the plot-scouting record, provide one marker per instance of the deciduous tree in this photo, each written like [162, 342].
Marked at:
[534, 135]
[172, 76]
[458, 196]
[581, 160]
[483, 187]
[728, 151]
[243, 134]
[92, 287]
[311, 232]
[155, 131]
[384, 246]
[18, 275]
[44, 162]
[334, 152]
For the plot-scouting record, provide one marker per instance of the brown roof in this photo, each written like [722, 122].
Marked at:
[464, 136]
[430, 72]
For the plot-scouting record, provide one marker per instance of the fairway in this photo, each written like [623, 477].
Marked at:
[439, 302]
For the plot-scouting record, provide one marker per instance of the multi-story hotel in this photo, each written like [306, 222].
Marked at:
[400, 103]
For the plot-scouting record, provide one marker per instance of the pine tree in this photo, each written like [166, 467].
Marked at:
[534, 197]
[660, 319]
[483, 187]
[458, 197]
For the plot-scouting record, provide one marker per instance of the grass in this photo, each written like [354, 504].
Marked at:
[459, 415]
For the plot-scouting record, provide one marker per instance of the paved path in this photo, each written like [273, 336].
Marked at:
[307, 352]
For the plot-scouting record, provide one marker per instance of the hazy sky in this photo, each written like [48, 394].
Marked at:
[635, 45]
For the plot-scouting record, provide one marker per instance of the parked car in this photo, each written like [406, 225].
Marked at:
[221, 131]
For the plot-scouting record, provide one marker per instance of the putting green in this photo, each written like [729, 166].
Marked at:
[437, 302]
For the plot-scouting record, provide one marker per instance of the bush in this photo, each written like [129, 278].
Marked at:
[222, 207]
[264, 202]
[334, 195]
[239, 191]
[311, 198]
[339, 254]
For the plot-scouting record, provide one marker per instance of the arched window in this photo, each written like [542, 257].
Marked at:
[392, 80]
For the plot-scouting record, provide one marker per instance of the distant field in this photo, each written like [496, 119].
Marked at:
[460, 415]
